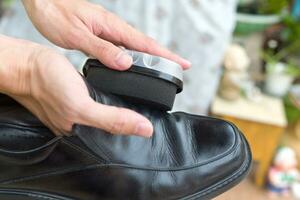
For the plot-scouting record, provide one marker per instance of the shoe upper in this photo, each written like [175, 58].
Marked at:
[188, 156]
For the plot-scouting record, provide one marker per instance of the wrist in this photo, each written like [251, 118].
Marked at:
[16, 58]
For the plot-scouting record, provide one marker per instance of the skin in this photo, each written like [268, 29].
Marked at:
[49, 86]
[78, 24]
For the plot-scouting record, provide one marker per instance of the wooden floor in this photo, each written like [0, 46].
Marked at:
[248, 191]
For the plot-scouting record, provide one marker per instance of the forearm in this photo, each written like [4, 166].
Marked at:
[14, 64]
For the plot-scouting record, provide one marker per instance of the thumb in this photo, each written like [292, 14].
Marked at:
[106, 52]
[116, 120]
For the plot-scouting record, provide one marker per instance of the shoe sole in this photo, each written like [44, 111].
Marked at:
[209, 193]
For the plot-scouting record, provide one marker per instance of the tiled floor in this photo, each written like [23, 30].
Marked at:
[247, 191]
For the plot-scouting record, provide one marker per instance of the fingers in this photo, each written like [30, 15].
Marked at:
[135, 40]
[109, 54]
[121, 33]
[116, 120]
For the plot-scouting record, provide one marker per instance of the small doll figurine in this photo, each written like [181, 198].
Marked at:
[236, 63]
[283, 174]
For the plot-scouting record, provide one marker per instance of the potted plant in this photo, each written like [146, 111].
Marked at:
[256, 15]
[281, 55]
[281, 70]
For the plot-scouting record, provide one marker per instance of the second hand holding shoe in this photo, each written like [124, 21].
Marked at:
[188, 156]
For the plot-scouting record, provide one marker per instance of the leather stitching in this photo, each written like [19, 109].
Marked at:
[77, 148]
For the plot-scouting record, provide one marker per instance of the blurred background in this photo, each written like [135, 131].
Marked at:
[246, 69]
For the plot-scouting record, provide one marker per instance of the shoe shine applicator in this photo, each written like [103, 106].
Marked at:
[151, 80]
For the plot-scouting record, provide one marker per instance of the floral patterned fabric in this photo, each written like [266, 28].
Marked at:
[199, 30]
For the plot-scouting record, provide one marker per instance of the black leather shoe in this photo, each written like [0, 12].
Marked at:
[188, 157]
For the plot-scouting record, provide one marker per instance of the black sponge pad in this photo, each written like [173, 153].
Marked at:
[138, 88]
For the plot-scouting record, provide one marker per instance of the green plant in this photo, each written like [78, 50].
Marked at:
[290, 69]
[291, 32]
[290, 39]
[283, 55]
[292, 113]
[272, 6]
[264, 7]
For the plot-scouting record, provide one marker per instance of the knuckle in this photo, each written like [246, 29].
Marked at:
[102, 49]
[106, 50]
[126, 38]
[74, 36]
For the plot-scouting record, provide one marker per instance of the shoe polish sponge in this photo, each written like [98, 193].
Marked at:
[151, 80]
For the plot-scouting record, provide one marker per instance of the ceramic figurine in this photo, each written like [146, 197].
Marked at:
[283, 174]
[236, 63]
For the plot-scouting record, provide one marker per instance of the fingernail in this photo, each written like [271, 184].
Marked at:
[144, 129]
[186, 63]
[123, 60]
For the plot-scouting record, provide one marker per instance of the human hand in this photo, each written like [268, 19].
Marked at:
[78, 24]
[50, 87]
